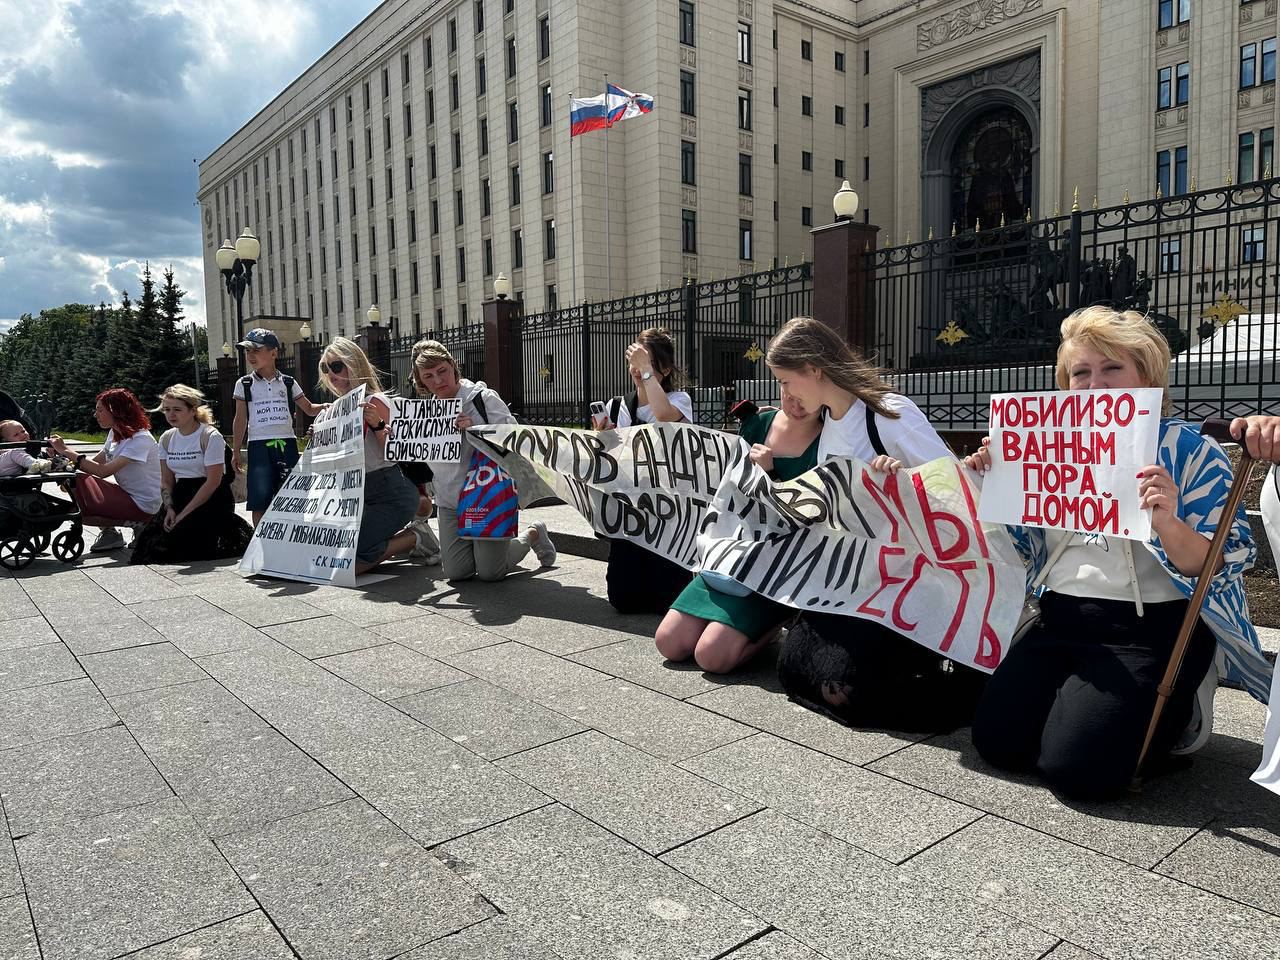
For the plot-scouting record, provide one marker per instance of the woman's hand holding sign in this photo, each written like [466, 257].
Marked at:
[885, 464]
[464, 422]
[1159, 494]
[980, 460]
[762, 457]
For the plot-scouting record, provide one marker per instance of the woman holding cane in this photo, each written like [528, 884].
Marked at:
[1074, 697]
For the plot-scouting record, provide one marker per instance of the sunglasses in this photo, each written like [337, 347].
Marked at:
[334, 366]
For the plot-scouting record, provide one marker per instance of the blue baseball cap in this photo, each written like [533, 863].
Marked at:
[260, 337]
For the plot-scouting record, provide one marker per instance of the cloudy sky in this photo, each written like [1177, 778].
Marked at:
[104, 104]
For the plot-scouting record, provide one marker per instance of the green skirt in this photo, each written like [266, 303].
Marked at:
[753, 615]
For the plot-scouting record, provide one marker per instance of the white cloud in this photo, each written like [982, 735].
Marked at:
[29, 214]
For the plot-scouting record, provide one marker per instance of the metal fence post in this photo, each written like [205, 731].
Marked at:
[1074, 246]
[585, 411]
[690, 324]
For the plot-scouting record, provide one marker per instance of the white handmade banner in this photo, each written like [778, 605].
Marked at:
[1068, 460]
[309, 532]
[1268, 772]
[905, 549]
[425, 431]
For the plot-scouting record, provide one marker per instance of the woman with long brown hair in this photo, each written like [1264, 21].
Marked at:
[861, 671]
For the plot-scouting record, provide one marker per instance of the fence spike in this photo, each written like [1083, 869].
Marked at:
[953, 228]
[977, 224]
[1028, 217]
[1159, 192]
[1125, 196]
[786, 262]
[930, 232]
[1002, 223]
[1095, 202]
[1266, 171]
[1228, 178]
[1057, 208]
[908, 238]
[1193, 183]
[866, 247]
[1075, 200]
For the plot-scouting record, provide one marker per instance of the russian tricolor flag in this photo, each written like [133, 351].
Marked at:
[596, 113]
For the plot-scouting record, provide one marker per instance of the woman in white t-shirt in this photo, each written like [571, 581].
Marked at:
[860, 670]
[129, 457]
[639, 581]
[197, 519]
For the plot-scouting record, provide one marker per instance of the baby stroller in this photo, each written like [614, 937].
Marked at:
[30, 518]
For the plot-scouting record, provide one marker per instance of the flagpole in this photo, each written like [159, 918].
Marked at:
[573, 213]
[608, 233]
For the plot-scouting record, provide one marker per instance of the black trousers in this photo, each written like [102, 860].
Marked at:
[640, 581]
[864, 674]
[1074, 697]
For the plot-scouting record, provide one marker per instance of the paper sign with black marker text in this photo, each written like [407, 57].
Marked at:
[309, 532]
[905, 549]
[1069, 460]
[424, 431]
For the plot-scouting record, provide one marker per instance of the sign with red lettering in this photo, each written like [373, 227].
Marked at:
[905, 549]
[1069, 460]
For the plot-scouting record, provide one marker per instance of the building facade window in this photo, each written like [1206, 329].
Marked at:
[744, 240]
[1179, 169]
[686, 23]
[688, 163]
[511, 58]
[1253, 244]
[1164, 170]
[1182, 84]
[806, 216]
[840, 116]
[549, 239]
[744, 174]
[744, 43]
[689, 231]
[806, 49]
[482, 78]
[1164, 88]
[544, 37]
[840, 61]
[513, 122]
[546, 104]
[687, 101]
[744, 109]
[806, 160]
[515, 185]
[1266, 151]
[1245, 158]
[806, 106]
[517, 249]
[548, 173]
[1173, 12]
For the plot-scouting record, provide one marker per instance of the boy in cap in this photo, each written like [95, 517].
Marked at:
[265, 401]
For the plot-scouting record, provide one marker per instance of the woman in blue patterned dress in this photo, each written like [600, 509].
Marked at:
[1074, 697]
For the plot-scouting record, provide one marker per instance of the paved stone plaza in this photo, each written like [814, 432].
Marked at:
[197, 766]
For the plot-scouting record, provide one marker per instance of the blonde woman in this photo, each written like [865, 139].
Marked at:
[861, 671]
[435, 371]
[1074, 697]
[390, 500]
[197, 518]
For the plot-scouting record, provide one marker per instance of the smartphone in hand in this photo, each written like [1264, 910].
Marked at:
[599, 416]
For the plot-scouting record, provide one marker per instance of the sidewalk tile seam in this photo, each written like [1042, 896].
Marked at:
[551, 802]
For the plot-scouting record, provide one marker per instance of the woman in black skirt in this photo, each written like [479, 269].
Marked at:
[197, 519]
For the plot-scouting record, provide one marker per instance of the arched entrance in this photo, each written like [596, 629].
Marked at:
[991, 170]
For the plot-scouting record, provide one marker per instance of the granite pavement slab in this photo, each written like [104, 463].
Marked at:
[551, 632]
[260, 604]
[390, 671]
[882, 816]
[17, 935]
[767, 708]
[530, 673]
[86, 634]
[33, 666]
[498, 938]
[489, 721]
[14, 602]
[1238, 720]
[53, 710]
[309, 705]
[197, 627]
[640, 798]
[247, 937]
[322, 636]
[10, 878]
[126, 880]
[847, 904]
[365, 607]
[651, 721]
[435, 636]
[19, 632]
[638, 660]
[774, 946]
[134, 584]
[591, 894]
[1100, 904]
[344, 883]
[430, 787]
[1141, 829]
[141, 668]
[173, 720]
[74, 777]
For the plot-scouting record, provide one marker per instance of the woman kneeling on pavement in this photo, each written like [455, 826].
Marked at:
[1073, 698]
[130, 457]
[198, 520]
[490, 560]
[390, 500]
[721, 631]
[861, 671]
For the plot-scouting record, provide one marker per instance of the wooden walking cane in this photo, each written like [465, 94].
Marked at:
[1219, 430]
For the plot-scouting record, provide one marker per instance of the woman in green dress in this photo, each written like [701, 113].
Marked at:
[719, 630]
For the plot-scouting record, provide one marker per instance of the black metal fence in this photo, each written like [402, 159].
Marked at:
[962, 317]
[564, 359]
[465, 343]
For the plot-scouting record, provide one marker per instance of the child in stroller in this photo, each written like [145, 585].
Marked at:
[29, 517]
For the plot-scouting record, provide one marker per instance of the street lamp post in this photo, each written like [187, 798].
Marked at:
[236, 263]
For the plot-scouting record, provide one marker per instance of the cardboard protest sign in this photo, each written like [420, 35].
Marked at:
[424, 431]
[1068, 460]
[905, 549]
[309, 532]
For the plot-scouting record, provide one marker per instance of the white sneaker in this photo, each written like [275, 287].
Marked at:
[1198, 731]
[542, 547]
[427, 549]
[109, 539]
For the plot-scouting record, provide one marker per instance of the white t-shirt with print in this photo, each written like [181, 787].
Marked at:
[185, 458]
[268, 407]
[677, 398]
[1093, 565]
[140, 476]
[910, 438]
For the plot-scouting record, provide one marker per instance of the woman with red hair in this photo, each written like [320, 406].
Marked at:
[130, 456]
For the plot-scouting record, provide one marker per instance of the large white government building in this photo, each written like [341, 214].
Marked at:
[429, 149]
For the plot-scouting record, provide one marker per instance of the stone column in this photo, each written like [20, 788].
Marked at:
[501, 341]
[842, 289]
